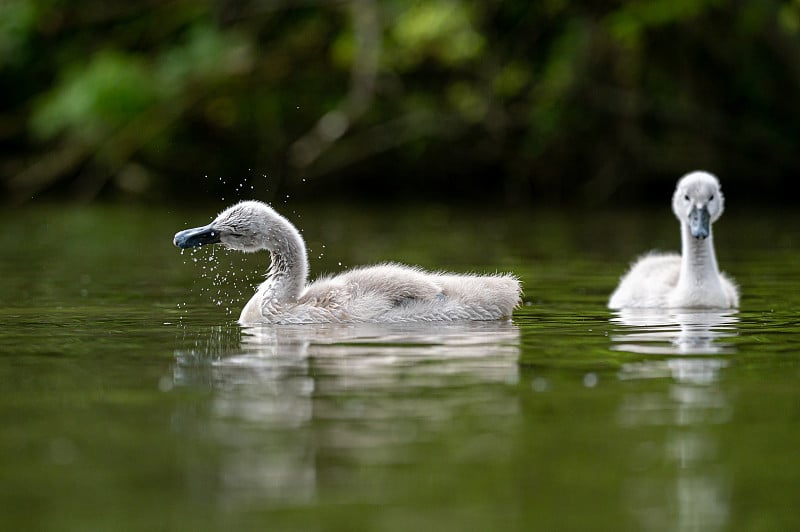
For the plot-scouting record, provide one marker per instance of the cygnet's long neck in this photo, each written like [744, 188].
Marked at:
[698, 259]
[288, 270]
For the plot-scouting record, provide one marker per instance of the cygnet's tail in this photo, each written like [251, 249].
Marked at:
[483, 296]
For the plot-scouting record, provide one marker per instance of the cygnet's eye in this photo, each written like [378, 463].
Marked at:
[686, 197]
[711, 197]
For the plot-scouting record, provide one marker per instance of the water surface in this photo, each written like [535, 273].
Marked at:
[130, 399]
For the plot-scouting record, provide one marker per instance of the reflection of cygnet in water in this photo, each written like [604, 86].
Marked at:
[691, 279]
[274, 389]
[273, 356]
[385, 293]
[374, 354]
[260, 406]
[678, 332]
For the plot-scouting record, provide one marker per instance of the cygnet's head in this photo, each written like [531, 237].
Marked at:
[244, 227]
[698, 202]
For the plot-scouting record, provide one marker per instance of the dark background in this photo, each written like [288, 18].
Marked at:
[548, 102]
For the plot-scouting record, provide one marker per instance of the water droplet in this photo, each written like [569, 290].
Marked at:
[539, 384]
[63, 451]
[165, 384]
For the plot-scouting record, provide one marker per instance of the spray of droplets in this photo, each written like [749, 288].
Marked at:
[228, 279]
[223, 277]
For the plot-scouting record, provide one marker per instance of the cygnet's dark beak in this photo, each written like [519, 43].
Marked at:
[199, 236]
[699, 222]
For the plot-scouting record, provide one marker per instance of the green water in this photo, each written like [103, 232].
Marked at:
[130, 399]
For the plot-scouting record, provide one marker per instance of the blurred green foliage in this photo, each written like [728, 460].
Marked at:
[517, 101]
